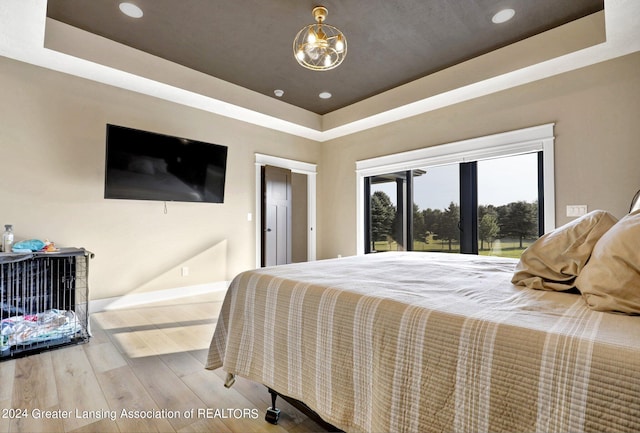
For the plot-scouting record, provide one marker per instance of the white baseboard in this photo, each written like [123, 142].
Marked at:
[137, 299]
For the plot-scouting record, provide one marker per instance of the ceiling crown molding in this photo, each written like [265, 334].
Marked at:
[27, 35]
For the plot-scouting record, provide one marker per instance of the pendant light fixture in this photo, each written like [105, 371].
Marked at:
[319, 46]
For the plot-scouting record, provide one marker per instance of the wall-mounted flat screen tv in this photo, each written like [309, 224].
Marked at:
[143, 165]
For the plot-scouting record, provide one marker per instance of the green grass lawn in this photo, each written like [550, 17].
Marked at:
[501, 248]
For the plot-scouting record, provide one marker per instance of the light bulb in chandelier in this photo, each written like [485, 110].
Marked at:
[339, 44]
[319, 46]
[311, 37]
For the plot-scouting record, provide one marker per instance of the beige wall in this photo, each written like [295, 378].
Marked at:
[52, 154]
[52, 151]
[597, 147]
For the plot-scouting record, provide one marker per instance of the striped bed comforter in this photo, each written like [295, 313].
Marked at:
[429, 342]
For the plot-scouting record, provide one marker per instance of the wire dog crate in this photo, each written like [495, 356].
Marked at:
[44, 301]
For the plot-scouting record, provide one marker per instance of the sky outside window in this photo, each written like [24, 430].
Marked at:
[500, 181]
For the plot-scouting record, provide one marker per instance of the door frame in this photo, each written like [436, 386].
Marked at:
[300, 167]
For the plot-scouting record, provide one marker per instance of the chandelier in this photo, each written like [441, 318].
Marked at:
[319, 46]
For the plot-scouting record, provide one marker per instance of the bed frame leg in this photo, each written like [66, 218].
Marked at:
[272, 414]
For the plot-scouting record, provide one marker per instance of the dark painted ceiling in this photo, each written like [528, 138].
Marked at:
[249, 42]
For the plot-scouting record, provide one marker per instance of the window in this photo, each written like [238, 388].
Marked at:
[508, 196]
[436, 209]
[491, 195]
[387, 223]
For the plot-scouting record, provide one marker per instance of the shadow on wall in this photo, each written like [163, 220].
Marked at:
[202, 272]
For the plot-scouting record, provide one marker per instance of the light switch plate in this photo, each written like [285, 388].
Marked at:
[576, 210]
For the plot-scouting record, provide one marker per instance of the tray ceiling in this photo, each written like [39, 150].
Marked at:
[249, 42]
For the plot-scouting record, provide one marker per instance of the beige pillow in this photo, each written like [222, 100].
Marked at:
[611, 279]
[554, 260]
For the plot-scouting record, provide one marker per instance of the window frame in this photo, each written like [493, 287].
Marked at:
[527, 140]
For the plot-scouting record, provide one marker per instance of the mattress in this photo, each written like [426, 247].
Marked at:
[430, 342]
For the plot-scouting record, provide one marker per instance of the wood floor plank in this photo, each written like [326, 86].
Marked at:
[37, 421]
[201, 355]
[78, 387]
[307, 425]
[158, 342]
[102, 426]
[182, 363]
[7, 373]
[109, 320]
[206, 426]
[259, 396]
[34, 387]
[98, 335]
[104, 356]
[120, 319]
[234, 409]
[207, 311]
[5, 422]
[144, 358]
[193, 337]
[130, 344]
[159, 315]
[166, 389]
[123, 391]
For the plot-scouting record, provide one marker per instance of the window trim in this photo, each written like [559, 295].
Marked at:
[510, 143]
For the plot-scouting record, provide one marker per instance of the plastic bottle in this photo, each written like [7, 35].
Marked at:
[7, 238]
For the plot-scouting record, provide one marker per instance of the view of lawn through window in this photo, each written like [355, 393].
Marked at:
[507, 190]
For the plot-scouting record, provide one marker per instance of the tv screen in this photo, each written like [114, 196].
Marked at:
[144, 165]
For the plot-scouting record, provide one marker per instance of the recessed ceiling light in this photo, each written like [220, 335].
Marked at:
[131, 10]
[278, 93]
[325, 95]
[503, 16]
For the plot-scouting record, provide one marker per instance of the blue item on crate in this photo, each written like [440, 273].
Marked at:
[28, 245]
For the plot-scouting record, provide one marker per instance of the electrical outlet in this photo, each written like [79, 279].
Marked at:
[576, 210]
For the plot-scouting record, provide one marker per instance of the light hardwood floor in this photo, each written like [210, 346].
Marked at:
[146, 361]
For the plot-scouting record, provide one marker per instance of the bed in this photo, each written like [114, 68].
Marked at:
[430, 342]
